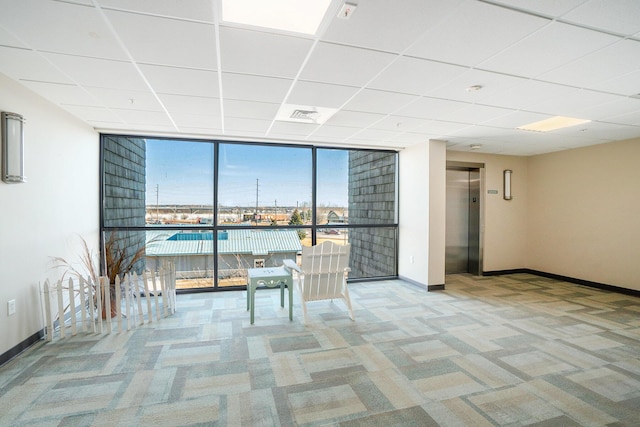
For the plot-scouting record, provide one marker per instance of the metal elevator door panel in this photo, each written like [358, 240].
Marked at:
[463, 221]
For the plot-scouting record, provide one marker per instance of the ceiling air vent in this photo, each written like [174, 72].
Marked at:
[309, 115]
[304, 114]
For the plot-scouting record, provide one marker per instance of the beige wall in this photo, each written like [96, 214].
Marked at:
[504, 228]
[584, 216]
[42, 218]
[437, 211]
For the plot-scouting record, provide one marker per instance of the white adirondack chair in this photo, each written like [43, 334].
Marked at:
[323, 274]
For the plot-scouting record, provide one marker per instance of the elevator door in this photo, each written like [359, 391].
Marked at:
[463, 221]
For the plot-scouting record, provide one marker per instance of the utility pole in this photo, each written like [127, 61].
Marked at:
[276, 215]
[255, 216]
[157, 204]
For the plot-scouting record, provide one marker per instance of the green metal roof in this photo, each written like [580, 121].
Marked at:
[254, 242]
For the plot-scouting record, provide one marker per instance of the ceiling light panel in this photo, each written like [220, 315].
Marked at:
[553, 123]
[297, 16]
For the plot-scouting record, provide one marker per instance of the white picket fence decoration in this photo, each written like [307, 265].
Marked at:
[72, 306]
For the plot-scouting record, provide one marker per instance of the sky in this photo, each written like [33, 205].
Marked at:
[181, 172]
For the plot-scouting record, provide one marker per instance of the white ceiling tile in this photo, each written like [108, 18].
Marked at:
[463, 37]
[528, 92]
[290, 128]
[377, 101]
[181, 81]
[603, 111]
[255, 88]
[184, 104]
[628, 84]
[440, 127]
[252, 125]
[619, 16]
[344, 65]
[478, 131]
[376, 134]
[553, 46]
[197, 10]
[415, 76]
[256, 110]
[399, 123]
[320, 94]
[99, 72]
[165, 41]
[97, 114]
[632, 118]
[255, 52]
[147, 118]
[127, 99]
[336, 132]
[60, 27]
[605, 64]
[390, 26]
[200, 121]
[516, 119]
[6, 39]
[411, 138]
[22, 64]
[572, 103]
[63, 93]
[353, 118]
[605, 131]
[430, 108]
[550, 8]
[475, 113]
[492, 84]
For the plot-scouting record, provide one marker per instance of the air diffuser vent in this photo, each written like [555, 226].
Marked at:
[309, 115]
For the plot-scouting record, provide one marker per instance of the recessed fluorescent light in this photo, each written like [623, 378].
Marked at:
[298, 16]
[557, 122]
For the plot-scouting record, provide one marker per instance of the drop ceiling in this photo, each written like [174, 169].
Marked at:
[396, 73]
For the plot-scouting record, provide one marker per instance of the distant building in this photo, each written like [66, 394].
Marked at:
[334, 218]
[192, 251]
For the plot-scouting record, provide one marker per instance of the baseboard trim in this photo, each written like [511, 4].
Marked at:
[422, 286]
[16, 350]
[588, 283]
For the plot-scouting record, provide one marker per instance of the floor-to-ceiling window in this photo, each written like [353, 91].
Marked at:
[217, 208]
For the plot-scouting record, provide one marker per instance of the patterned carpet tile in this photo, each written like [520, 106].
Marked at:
[509, 350]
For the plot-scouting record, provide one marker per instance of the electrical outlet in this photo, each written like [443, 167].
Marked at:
[411, 259]
[11, 307]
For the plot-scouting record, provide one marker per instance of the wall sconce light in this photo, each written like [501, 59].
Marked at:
[12, 148]
[507, 184]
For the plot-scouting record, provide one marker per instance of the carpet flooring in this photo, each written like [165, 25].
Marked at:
[510, 350]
